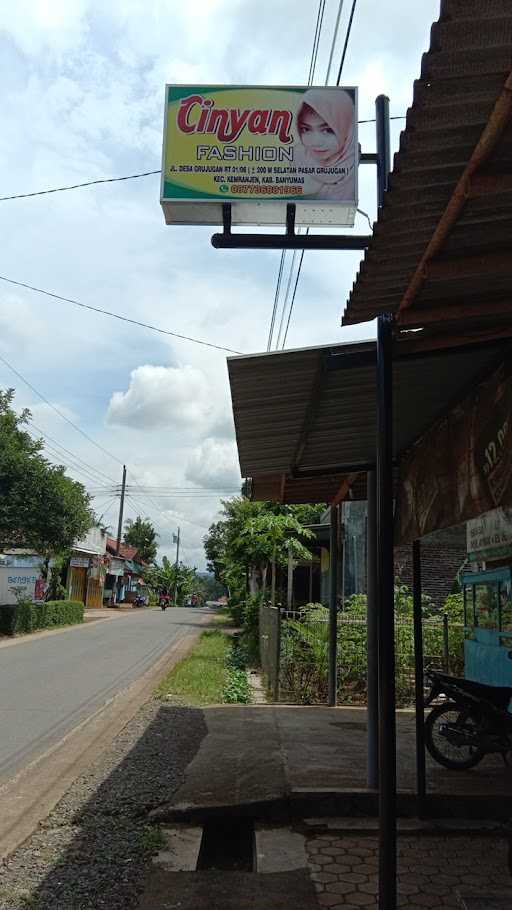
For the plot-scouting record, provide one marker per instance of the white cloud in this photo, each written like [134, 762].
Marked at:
[82, 98]
[163, 397]
[214, 464]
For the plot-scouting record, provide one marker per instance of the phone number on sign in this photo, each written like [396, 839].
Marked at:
[266, 190]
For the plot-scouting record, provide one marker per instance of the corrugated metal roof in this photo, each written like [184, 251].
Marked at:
[463, 75]
[306, 418]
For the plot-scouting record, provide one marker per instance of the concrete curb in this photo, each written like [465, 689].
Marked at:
[29, 797]
[361, 806]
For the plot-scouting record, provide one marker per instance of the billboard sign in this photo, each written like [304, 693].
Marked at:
[462, 468]
[259, 148]
[490, 535]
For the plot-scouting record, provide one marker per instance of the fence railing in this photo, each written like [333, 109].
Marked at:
[294, 655]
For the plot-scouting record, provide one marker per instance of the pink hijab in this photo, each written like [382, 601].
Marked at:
[337, 109]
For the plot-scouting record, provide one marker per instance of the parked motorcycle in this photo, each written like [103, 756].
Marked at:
[472, 721]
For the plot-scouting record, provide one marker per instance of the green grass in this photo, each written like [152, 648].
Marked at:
[153, 839]
[200, 679]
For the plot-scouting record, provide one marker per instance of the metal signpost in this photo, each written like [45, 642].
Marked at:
[289, 157]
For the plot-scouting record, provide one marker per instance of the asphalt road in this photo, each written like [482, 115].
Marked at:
[50, 684]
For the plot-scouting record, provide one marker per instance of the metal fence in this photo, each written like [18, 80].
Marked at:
[294, 655]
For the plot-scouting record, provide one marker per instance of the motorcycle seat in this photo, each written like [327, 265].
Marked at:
[499, 695]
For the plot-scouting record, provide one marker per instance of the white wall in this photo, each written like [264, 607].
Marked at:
[95, 541]
[19, 577]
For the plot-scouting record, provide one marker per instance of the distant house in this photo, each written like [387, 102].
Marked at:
[123, 575]
[87, 568]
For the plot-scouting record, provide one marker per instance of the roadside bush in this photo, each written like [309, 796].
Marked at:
[28, 617]
[236, 689]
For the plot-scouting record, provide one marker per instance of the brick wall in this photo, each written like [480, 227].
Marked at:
[441, 559]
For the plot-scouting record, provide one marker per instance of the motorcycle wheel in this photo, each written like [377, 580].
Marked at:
[450, 755]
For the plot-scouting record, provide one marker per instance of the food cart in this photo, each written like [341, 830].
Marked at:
[487, 593]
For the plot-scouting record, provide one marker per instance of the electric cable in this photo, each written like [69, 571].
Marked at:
[338, 79]
[52, 406]
[276, 299]
[347, 39]
[78, 186]
[96, 472]
[95, 309]
[312, 68]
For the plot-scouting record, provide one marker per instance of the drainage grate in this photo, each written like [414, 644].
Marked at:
[227, 844]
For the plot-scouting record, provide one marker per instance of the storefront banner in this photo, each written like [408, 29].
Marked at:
[462, 467]
[80, 562]
[490, 534]
[259, 144]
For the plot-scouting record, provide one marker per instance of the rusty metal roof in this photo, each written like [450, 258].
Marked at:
[440, 251]
[305, 420]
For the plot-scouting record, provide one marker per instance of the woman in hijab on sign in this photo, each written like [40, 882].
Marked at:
[325, 122]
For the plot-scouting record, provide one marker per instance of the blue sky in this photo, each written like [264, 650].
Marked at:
[82, 99]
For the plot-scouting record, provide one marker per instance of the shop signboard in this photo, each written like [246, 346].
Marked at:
[80, 562]
[462, 467]
[490, 535]
[259, 148]
[16, 580]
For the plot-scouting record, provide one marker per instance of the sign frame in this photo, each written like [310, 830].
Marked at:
[251, 211]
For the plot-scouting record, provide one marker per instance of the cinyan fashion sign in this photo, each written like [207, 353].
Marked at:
[252, 146]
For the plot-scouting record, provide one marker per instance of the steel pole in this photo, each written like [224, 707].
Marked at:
[372, 621]
[177, 566]
[383, 146]
[333, 607]
[421, 785]
[121, 511]
[387, 719]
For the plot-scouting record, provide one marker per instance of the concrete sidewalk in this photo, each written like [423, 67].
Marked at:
[268, 755]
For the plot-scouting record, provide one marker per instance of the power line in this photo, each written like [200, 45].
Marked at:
[94, 309]
[372, 119]
[311, 74]
[52, 406]
[276, 299]
[338, 79]
[78, 186]
[347, 39]
[92, 470]
[78, 429]
[316, 40]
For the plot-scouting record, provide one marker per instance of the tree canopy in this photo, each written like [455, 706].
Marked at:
[141, 534]
[182, 579]
[40, 506]
[251, 535]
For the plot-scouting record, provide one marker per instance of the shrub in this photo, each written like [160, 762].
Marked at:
[28, 617]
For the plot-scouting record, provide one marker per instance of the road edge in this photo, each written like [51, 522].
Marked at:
[29, 797]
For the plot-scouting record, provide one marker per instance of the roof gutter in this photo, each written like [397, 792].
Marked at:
[495, 125]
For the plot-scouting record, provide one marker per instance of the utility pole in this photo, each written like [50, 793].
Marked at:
[121, 510]
[177, 565]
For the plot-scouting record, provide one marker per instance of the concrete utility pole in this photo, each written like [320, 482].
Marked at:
[177, 565]
[121, 510]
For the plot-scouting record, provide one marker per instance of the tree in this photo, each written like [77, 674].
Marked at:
[142, 535]
[40, 506]
[253, 535]
[184, 579]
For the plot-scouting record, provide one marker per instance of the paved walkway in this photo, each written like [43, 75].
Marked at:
[432, 872]
[265, 753]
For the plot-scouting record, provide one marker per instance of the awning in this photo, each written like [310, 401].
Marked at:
[305, 420]
[440, 253]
